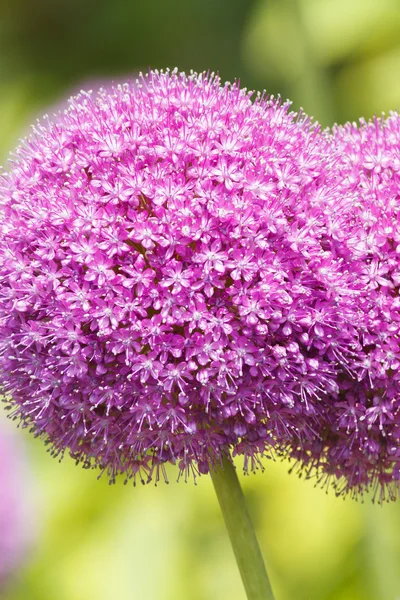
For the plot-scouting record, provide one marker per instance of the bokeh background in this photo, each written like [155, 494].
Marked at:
[338, 59]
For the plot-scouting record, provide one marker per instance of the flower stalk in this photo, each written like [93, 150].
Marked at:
[241, 532]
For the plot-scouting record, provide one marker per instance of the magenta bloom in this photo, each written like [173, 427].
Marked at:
[362, 438]
[15, 528]
[169, 289]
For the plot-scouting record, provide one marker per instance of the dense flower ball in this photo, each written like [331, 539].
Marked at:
[169, 290]
[362, 440]
[14, 516]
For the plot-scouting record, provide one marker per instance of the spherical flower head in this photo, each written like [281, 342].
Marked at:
[361, 442]
[168, 288]
[15, 527]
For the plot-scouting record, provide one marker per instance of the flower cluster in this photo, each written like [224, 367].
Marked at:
[362, 439]
[14, 528]
[182, 273]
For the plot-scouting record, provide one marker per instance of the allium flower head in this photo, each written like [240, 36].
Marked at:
[14, 522]
[362, 436]
[169, 288]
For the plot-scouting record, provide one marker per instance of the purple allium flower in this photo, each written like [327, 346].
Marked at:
[169, 287]
[361, 444]
[15, 528]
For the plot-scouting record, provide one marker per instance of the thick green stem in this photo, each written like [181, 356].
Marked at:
[241, 532]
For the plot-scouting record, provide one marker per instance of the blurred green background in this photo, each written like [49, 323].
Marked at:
[339, 59]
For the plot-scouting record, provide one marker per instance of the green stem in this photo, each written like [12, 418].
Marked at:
[312, 88]
[241, 532]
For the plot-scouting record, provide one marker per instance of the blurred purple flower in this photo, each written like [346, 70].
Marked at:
[15, 525]
[169, 287]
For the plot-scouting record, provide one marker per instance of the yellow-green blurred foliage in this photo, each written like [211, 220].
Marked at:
[339, 59]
